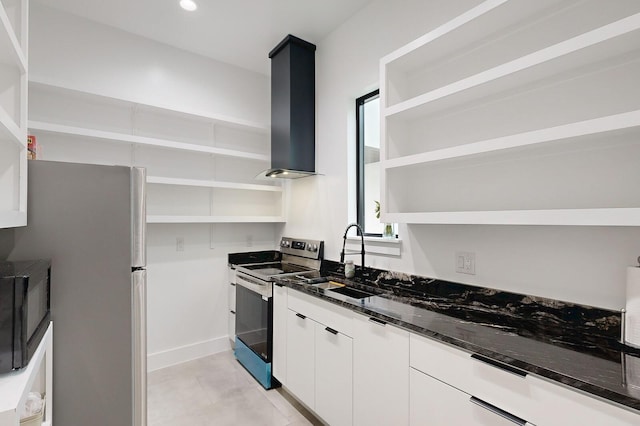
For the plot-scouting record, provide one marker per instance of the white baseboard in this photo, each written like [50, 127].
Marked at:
[158, 360]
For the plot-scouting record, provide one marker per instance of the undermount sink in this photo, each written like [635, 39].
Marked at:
[351, 292]
[330, 285]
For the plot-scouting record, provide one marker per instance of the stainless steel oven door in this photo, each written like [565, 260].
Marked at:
[254, 314]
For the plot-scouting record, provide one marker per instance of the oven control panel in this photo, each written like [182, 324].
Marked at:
[312, 249]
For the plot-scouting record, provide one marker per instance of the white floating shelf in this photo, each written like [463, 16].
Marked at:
[593, 46]
[15, 385]
[572, 130]
[35, 82]
[215, 219]
[484, 9]
[212, 184]
[577, 217]
[10, 130]
[13, 218]
[142, 140]
[10, 50]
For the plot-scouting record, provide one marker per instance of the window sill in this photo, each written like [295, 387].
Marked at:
[376, 245]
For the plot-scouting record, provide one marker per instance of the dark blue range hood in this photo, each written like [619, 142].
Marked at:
[293, 112]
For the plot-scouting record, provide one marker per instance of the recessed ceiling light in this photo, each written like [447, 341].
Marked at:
[189, 5]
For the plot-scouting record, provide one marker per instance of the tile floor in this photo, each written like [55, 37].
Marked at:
[217, 390]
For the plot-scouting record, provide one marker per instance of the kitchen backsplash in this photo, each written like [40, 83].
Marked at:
[580, 327]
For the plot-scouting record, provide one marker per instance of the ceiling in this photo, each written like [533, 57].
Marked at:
[239, 32]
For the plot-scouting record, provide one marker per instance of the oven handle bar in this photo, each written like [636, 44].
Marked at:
[252, 280]
[263, 288]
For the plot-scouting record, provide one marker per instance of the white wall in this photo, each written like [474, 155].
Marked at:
[187, 290]
[584, 265]
[72, 51]
[187, 297]
[6, 242]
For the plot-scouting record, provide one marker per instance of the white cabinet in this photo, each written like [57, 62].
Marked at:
[504, 113]
[200, 168]
[562, 406]
[334, 376]
[231, 327]
[13, 112]
[37, 376]
[280, 311]
[319, 359]
[509, 390]
[301, 357]
[449, 378]
[380, 373]
[352, 369]
[435, 403]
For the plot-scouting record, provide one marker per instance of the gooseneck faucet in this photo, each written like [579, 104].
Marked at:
[344, 242]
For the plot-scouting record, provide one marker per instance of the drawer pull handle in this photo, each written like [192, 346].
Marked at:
[233, 284]
[377, 321]
[498, 411]
[501, 366]
[279, 285]
[233, 312]
[331, 330]
[300, 316]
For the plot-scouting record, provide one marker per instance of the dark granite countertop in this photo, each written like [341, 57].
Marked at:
[571, 344]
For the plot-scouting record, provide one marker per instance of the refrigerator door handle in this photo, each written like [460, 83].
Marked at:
[138, 217]
[139, 323]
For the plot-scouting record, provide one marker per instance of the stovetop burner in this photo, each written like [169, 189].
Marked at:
[276, 268]
[266, 271]
[299, 257]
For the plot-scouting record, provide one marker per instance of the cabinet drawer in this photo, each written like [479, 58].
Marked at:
[560, 405]
[435, 403]
[509, 391]
[323, 312]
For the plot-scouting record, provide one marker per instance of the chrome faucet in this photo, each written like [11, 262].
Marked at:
[344, 242]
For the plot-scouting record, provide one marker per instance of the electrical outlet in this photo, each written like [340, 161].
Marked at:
[179, 243]
[249, 240]
[466, 262]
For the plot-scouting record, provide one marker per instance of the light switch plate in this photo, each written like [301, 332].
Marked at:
[465, 262]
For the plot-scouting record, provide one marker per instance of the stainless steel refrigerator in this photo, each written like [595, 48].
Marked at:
[90, 221]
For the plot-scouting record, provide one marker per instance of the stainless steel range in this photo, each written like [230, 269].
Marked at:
[254, 305]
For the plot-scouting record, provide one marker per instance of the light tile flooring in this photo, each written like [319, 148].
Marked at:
[217, 390]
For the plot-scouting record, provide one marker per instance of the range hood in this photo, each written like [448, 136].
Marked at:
[293, 145]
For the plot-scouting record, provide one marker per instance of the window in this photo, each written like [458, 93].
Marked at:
[368, 163]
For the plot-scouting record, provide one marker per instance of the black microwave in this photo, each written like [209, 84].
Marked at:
[25, 310]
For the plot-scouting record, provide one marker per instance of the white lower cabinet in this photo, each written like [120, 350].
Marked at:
[301, 357]
[450, 386]
[509, 390]
[319, 357]
[353, 369]
[435, 403]
[380, 373]
[232, 306]
[559, 405]
[334, 376]
[280, 313]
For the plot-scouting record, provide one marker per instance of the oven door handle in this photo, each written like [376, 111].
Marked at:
[251, 280]
[254, 285]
